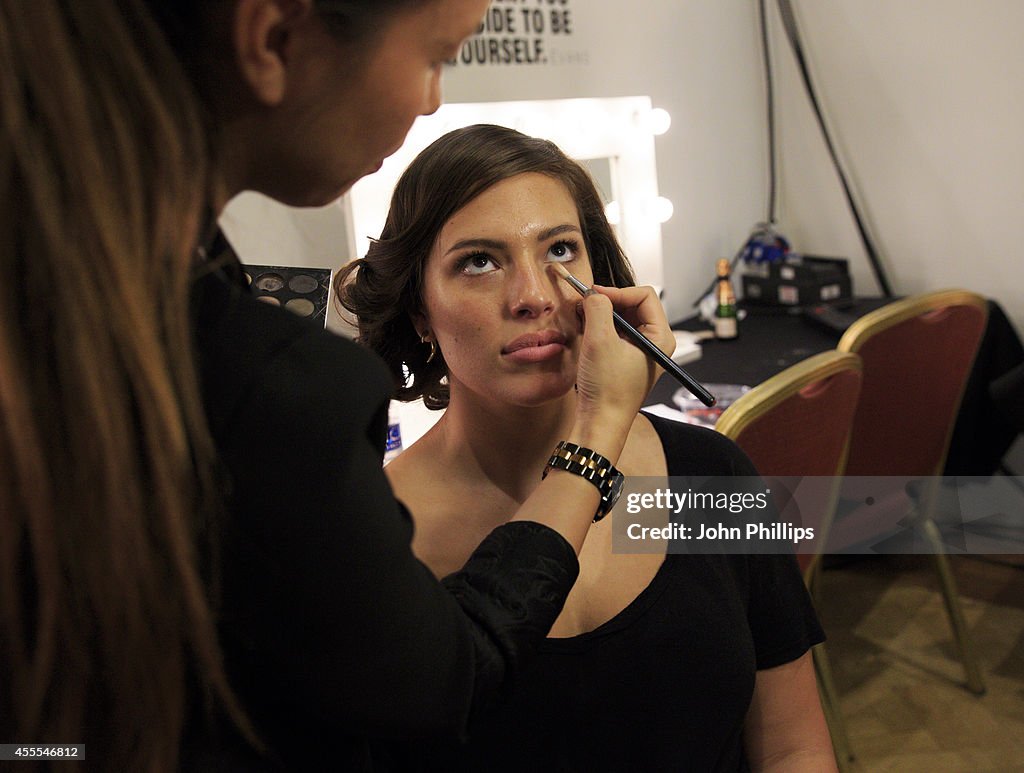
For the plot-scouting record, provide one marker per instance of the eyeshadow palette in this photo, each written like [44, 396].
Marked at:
[303, 291]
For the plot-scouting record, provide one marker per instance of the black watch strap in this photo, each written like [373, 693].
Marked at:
[590, 465]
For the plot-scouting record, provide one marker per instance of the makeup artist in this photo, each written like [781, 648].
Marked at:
[695, 662]
[202, 565]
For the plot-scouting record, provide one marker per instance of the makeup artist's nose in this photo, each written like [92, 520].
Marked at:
[532, 292]
[432, 95]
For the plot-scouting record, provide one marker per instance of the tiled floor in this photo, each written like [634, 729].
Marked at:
[897, 673]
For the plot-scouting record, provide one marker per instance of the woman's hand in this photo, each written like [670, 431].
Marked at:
[614, 375]
[612, 380]
[641, 308]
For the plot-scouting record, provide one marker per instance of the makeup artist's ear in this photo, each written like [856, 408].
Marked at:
[264, 31]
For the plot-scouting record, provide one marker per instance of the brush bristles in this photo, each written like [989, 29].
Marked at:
[562, 271]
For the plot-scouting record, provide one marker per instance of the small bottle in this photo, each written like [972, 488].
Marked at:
[393, 444]
[726, 327]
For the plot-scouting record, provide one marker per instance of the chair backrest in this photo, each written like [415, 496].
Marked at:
[796, 425]
[917, 354]
[797, 422]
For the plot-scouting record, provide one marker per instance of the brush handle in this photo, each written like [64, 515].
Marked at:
[663, 360]
[643, 342]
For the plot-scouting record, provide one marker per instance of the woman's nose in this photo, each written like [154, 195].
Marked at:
[533, 291]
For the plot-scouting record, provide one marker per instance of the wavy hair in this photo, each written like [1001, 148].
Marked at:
[107, 470]
[384, 289]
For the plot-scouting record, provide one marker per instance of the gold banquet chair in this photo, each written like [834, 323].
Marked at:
[917, 355]
[797, 425]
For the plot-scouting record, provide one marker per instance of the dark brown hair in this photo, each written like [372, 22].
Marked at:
[384, 289]
[192, 27]
[107, 469]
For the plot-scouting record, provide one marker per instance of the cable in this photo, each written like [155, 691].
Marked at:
[770, 104]
[793, 34]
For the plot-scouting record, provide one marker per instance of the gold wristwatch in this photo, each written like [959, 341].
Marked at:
[592, 466]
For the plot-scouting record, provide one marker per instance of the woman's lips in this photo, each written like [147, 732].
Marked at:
[535, 347]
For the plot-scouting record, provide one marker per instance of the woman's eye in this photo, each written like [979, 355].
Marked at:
[562, 252]
[477, 264]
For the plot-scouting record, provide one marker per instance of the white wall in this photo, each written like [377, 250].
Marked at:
[925, 101]
[264, 232]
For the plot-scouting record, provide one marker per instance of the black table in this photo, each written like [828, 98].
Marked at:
[770, 340]
[773, 338]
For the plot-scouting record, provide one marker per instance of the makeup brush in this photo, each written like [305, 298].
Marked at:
[643, 342]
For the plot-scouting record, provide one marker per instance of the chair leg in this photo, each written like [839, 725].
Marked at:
[812, 580]
[975, 681]
[830, 706]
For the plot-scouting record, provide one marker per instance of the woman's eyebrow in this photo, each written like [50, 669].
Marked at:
[491, 244]
[497, 244]
[558, 229]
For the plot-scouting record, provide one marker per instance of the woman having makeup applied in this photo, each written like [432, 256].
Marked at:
[677, 662]
[202, 565]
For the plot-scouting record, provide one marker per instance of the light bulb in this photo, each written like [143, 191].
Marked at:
[661, 209]
[658, 121]
[613, 212]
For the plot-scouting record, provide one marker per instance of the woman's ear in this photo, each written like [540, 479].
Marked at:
[420, 323]
[262, 34]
